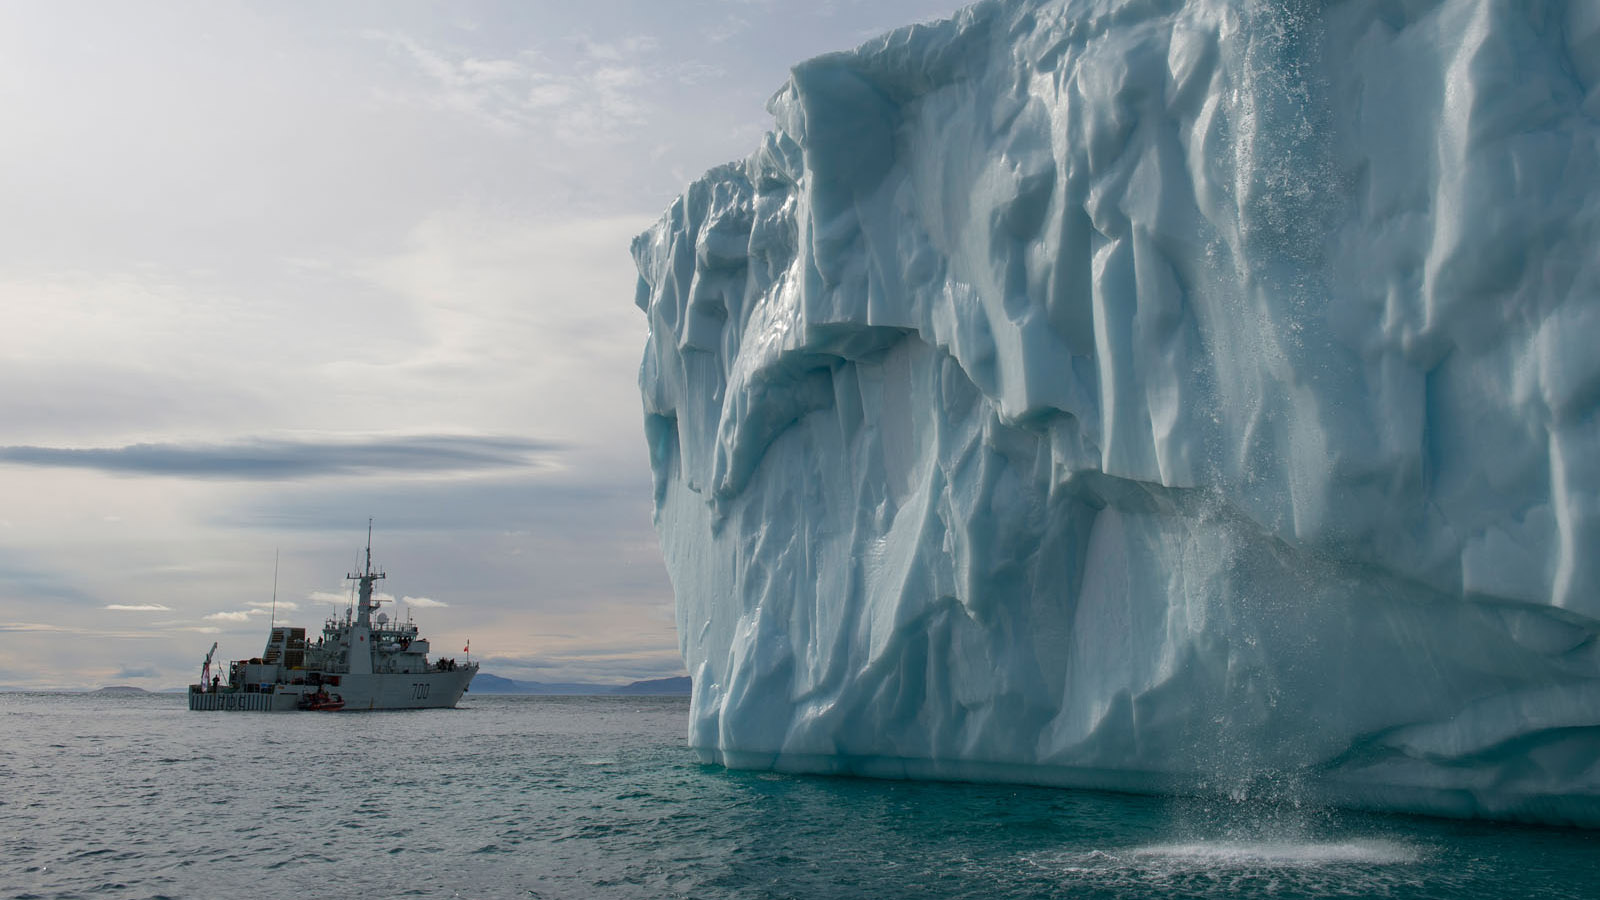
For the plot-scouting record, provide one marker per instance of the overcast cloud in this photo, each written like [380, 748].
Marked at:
[272, 269]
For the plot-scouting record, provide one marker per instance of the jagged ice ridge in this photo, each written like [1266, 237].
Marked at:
[1151, 395]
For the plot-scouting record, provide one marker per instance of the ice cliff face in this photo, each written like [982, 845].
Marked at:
[1151, 395]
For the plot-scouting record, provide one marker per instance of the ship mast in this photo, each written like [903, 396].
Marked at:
[366, 578]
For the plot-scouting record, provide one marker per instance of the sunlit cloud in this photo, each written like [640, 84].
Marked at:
[596, 99]
[419, 602]
[289, 605]
[729, 28]
[343, 599]
[234, 616]
[627, 48]
[489, 90]
[138, 607]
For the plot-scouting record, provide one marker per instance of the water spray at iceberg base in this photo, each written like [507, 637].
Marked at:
[1172, 397]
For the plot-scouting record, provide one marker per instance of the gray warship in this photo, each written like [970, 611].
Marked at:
[361, 661]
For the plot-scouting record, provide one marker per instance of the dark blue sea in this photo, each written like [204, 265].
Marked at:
[571, 797]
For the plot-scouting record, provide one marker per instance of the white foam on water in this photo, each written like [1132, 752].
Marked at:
[1234, 868]
[1276, 854]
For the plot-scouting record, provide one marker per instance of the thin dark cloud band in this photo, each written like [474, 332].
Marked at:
[268, 459]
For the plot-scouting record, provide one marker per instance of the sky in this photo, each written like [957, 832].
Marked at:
[271, 269]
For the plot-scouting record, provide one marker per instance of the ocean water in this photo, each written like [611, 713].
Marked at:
[571, 797]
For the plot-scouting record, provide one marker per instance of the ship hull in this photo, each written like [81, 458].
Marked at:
[360, 693]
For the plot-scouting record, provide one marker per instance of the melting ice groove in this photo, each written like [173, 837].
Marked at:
[1191, 397]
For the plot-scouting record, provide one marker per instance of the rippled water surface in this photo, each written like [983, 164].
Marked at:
[558, 797]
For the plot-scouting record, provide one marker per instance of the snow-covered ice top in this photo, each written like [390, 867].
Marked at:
[1151, 395]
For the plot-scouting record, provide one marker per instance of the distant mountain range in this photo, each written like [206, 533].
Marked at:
[484, 683]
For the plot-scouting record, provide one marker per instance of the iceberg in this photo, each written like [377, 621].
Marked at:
[1151, 395]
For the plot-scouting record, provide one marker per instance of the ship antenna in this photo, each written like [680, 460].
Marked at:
[274, 588]
[369, 545]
